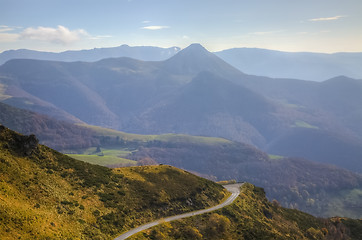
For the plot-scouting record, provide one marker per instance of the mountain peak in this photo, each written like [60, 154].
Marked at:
[195, 59]
[339, 78]
[195, 47]
[194, 50]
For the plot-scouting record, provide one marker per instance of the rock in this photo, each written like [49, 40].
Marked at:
[30, 144]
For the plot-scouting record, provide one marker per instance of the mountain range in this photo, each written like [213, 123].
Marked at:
[143, 53]
[261, 62]
[195, 92]
[297, 65]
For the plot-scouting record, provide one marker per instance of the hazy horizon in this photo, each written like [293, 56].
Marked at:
[307, 26]
[125, 44]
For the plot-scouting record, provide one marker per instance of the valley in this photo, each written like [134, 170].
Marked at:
[299, 140]
[194, 92]
[320, 189]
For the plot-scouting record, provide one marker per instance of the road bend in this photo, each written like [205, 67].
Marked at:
[233, 188]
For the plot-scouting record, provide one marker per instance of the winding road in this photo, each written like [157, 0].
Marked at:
[233, 188]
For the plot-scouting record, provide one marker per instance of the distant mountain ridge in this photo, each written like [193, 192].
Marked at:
[255, 61]
[146, 53]
[298, 65]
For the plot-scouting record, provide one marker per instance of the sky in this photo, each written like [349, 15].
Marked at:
[287, 25]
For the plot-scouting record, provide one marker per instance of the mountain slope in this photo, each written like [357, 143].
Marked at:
[331, 123]
[320, 189]
[253, 217]
[52, 82]
[195, 59]
[320, 146]
[342, 97]
[203, 106]
[45, 194]
[57, 134]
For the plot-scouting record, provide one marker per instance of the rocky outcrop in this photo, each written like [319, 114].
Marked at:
[22, 145]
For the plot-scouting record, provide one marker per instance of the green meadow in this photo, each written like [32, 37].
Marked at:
[106, 157]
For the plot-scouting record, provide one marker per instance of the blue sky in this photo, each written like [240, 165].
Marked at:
[287, 25]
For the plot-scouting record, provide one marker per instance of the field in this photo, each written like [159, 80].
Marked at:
[105, 157]
[116, 147]
[170, 138]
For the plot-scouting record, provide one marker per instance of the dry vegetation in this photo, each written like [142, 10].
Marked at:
[253, 217]
[47, 195]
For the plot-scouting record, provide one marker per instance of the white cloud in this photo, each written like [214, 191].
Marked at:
[266, 33]
[185, 37]
[155, 27]
[326, 19]
[100, 37]
[8, 37]
[6, 29]
[59, 35]
[146, 21]
[6, 34]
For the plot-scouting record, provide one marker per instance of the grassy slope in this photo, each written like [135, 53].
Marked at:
[105, 157]
[253, 217]
[103, 160]
[117, 146]
[173, 138]
[45, 194]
